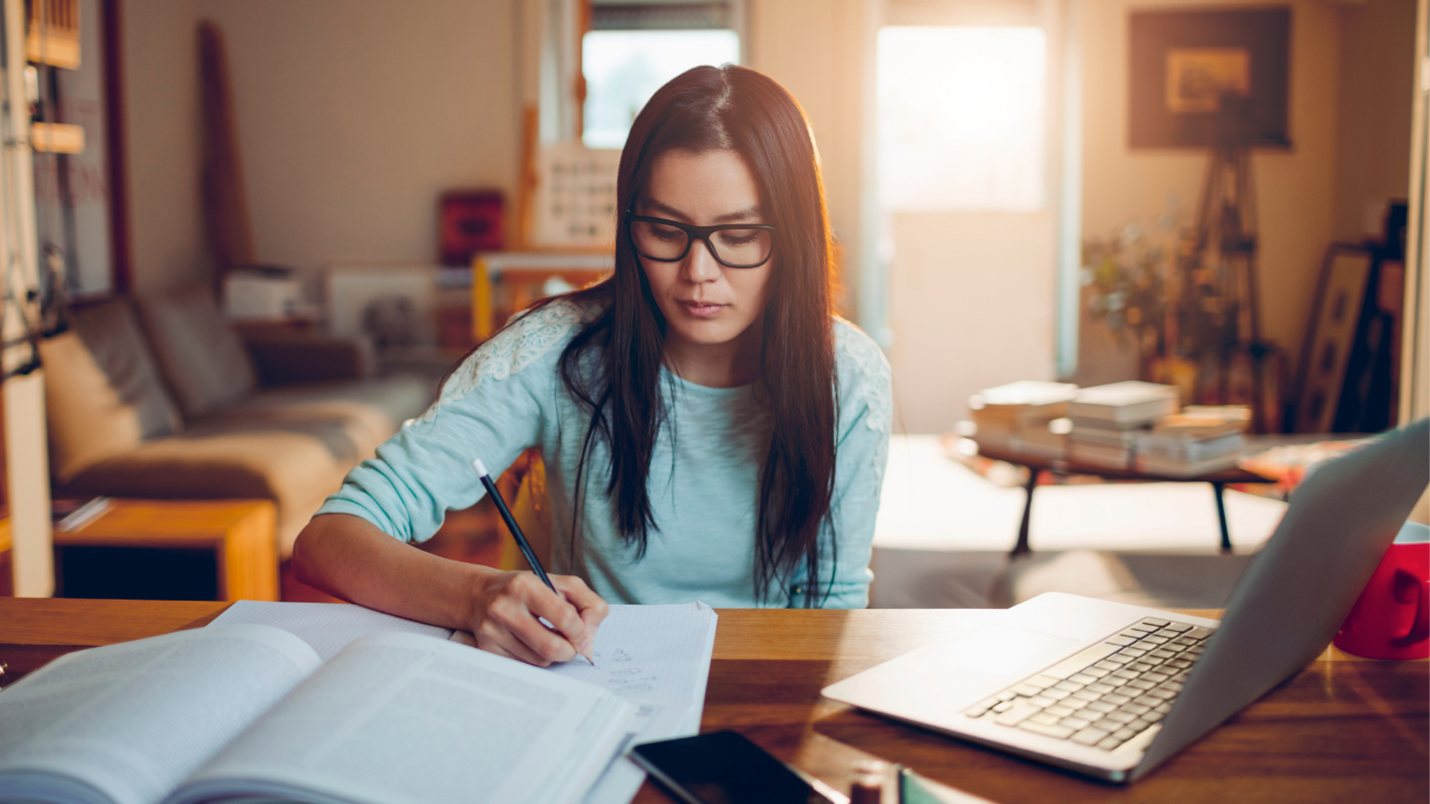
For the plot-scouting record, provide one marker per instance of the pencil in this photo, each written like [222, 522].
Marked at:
[516, 533]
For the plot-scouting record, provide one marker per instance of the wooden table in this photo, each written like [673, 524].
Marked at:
[236, 536]
[1343, 730]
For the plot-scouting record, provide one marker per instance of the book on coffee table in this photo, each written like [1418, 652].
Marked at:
[1123, 405]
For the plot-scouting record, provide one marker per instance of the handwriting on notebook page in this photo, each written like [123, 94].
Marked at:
[649, 652]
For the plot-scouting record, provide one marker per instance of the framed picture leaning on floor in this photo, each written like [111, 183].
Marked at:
[1330, 335]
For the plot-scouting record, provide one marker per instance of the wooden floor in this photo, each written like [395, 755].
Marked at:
[474, 536]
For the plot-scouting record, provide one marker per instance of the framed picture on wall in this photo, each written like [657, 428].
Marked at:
[1330, 335]
[1205, 78]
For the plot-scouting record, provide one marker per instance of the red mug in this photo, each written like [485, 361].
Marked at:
[1391, 620]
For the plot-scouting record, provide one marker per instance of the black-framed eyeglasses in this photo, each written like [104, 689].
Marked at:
[739, 245]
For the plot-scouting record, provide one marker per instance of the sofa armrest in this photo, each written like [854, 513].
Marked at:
[281, 359]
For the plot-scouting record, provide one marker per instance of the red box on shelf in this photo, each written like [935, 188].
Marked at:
[469, 221]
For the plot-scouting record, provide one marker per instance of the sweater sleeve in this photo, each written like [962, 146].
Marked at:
[862, 452]
[494, 406]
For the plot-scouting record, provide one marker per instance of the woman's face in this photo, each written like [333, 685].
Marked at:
[708, 308]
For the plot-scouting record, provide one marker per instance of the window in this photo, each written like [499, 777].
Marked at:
[633, 49]
[962, 121]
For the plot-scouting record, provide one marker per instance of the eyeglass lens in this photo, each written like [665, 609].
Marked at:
[734, 247]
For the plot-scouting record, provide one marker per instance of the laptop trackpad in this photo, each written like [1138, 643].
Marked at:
[998, 650]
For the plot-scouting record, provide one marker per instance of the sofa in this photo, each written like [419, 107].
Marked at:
[161, 398]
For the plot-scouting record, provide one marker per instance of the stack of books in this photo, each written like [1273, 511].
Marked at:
[1106, 420]
[1017, 417]
[1197, 441]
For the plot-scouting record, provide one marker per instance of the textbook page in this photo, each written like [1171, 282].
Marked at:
[399, 718]
[328, 627]
[130, 721]
[659, 658]
[656, 656]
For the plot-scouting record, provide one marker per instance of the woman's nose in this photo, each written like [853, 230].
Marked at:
[700, 264]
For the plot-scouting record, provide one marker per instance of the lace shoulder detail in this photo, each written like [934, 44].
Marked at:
[516, 347]
[874, 373]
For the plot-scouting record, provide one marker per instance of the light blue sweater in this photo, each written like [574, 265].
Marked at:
[704, 475]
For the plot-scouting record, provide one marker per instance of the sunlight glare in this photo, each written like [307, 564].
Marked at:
[624, 68]
[961, 117]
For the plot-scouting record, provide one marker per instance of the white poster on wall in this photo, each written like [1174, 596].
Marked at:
[576, 196]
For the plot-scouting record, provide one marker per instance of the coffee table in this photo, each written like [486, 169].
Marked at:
[1036, 465]
[167, 549]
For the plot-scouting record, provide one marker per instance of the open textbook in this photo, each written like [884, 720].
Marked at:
[251, 712]
[657, 657]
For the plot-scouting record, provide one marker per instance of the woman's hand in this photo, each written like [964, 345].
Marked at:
[349, 557]
[508, 607]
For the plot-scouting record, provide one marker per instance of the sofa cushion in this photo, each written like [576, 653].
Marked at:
[202, 357]
[286, 358]
[385, 402]
[103, 393]
[294, 462]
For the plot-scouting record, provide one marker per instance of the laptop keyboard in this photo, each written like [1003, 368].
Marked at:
[1107, 694]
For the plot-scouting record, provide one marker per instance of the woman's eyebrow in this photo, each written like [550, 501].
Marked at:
[740, 216]
[743, 216]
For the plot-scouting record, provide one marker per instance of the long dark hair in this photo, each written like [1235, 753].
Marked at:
[736, 109]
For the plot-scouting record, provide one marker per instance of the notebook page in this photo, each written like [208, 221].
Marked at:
[646, 653]
[657, 657]
[327, 627]
[651, 653]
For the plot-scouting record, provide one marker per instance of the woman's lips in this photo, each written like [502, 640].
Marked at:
[702, 309]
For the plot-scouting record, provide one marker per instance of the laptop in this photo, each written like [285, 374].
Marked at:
[1111, 690]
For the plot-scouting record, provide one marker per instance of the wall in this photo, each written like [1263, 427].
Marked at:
[162, 132]
[354, 115]
[1377, 74]
[971, 305]
[1294, 188]
[813, 48]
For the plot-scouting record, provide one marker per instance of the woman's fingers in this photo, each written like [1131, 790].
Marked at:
[592, 608]
[515, 616]
[563, 616]
[511, 626]
[518, 651]
[511, 618]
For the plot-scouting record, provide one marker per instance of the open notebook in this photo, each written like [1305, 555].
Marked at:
[657, 657]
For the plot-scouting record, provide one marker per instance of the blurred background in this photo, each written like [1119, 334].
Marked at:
[969, 148]
[1203, 195]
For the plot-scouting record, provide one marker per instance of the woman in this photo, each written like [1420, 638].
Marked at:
[710, 429]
